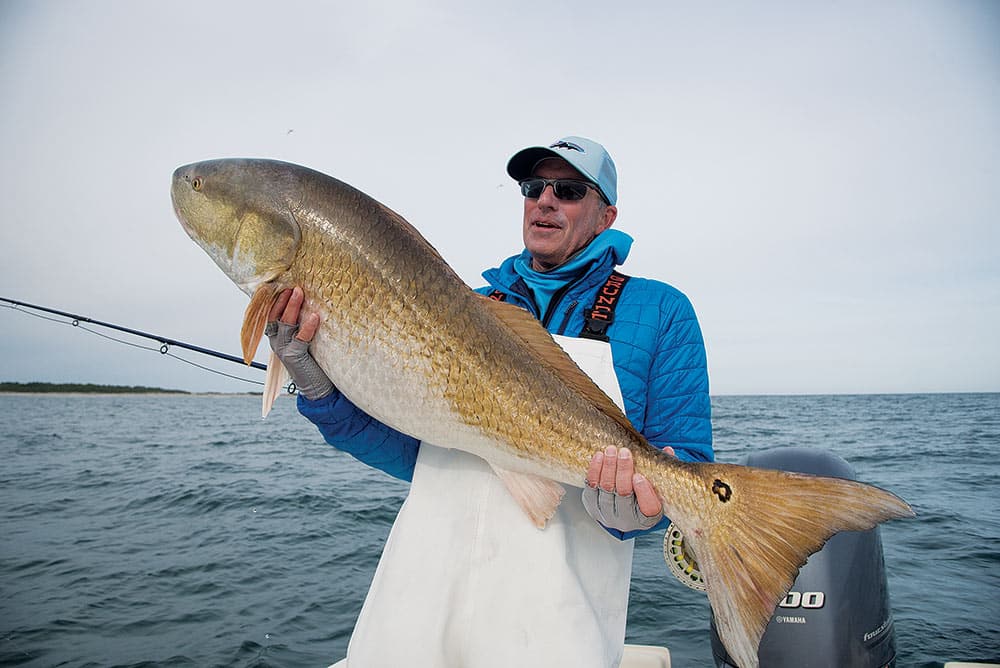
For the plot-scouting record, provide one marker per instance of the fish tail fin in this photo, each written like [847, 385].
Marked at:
[277, 376]
[754, 530]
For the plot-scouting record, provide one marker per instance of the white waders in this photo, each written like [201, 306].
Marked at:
[467, 581]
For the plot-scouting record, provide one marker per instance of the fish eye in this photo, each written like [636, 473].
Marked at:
[196, 183]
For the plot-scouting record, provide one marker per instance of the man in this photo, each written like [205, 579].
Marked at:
[465, 579]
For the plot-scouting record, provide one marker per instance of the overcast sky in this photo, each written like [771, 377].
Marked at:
[822, 179]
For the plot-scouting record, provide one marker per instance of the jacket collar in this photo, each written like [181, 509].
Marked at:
[608, 250]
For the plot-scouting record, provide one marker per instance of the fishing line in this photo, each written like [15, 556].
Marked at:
[165, 342]
[163, 350]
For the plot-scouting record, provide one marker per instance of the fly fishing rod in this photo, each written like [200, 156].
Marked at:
[165, 342]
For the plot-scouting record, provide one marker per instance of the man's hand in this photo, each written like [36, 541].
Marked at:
[618, 497]
[290, 342]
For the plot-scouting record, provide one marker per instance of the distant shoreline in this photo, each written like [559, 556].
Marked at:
[83, 388]
[29, 389]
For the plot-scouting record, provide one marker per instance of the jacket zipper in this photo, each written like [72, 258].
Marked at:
[566, 315]
[554, 302]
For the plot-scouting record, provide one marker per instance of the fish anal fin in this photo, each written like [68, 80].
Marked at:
[255, 319]
[762, 528]
[538, 497]
[276, 378]
[523, 325]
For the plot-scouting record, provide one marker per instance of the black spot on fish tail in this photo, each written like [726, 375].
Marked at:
[722, 490]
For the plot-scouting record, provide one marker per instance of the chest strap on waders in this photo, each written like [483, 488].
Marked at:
[600, 316]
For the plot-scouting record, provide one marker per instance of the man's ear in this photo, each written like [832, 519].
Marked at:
[609, 214]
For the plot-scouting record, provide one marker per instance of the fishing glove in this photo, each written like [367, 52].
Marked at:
[294, 354]
[615, 511]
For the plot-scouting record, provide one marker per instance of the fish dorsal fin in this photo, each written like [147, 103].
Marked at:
[523, 325]
[538, 497]
[255, 319]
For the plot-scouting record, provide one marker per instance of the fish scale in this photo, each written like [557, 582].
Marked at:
[410, 344]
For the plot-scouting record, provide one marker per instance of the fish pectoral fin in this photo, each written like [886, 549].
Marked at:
[538, 497]
[277, 376]
[255, 318]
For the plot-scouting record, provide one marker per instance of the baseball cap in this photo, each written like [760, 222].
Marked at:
[585, 155]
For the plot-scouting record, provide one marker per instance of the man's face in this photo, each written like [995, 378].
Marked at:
[554, 229]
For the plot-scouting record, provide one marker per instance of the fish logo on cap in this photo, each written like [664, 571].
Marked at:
[569, 145]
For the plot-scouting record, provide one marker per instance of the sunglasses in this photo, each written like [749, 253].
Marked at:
[565, 189]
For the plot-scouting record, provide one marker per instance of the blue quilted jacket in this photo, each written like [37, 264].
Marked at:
[658, 353]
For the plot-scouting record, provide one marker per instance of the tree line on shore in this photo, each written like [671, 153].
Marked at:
[86, 388]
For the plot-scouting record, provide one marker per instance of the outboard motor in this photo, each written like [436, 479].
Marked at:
[837, 612]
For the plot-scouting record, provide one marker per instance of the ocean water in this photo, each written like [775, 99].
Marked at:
[185, 531]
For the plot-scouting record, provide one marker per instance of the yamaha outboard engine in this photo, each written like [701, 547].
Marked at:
[837, 612]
